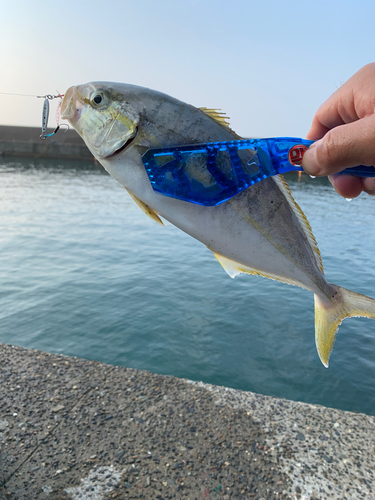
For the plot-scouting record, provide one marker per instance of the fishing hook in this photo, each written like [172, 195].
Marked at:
[55, 131]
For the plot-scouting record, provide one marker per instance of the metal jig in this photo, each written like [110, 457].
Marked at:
[45, 115]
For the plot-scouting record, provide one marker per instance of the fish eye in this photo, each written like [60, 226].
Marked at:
[97, 99]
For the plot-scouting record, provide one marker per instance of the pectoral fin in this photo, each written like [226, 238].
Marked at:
[147, 210]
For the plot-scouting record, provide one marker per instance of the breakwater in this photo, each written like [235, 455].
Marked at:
[25, 142]
[77, 429]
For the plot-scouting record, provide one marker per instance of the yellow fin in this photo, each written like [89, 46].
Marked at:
[284, 188]
[217, 115]
[147, 210]
[233, 268]
[329, 315]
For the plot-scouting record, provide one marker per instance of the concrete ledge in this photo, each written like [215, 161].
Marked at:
[25, 142]
[77, 429]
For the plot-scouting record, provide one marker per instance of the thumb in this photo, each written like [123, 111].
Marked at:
[344, 146]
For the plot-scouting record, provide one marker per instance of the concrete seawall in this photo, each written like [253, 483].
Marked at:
[77, 429]
[25, 142]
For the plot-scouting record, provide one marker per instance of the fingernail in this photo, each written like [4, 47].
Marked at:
[310, 162]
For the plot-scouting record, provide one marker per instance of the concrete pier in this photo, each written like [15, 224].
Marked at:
[25, 142]
[77, 429]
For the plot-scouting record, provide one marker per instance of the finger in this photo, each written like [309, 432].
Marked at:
[332, 114]
[338, 109]
[350, 186]
[344, 146]
[345, 105]
[317, 130]
[347, 186]
[369, 185]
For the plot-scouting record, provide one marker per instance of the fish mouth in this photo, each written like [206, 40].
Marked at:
[72, 106]
[126, 144]
[66, 107]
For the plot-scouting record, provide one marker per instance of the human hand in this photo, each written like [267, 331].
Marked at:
[345, 125]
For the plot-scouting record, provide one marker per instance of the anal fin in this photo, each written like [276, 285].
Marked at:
[147, 210]
[234, 268]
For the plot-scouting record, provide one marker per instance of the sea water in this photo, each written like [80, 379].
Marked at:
[85, 272]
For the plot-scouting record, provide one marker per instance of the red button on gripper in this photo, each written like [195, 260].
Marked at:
[296, 154]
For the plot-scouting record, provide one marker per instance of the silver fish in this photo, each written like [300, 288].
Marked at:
[260, 231]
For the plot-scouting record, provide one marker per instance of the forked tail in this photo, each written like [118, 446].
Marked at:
[329, 315]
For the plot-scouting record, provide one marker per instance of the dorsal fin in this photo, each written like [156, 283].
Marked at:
[218, 116]
[233, 268]
[147, 210]
[284, 188]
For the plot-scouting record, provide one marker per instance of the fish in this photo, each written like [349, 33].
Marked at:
[260, 231]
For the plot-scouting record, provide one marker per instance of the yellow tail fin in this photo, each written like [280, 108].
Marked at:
[329, 315]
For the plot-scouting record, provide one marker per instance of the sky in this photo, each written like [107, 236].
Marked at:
[267, 64]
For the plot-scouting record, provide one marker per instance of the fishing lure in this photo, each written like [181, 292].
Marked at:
[45, 114]
[211, 173]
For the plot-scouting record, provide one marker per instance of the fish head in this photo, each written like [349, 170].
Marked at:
[119, 122]
[112, 116]
[102, 116]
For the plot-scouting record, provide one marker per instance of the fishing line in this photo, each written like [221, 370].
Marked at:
[47, 96]
[23, 95]
[45, 114]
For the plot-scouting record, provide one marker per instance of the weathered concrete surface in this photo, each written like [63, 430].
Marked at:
[25, 142]
[77, 429]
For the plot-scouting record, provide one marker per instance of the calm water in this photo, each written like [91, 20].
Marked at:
[84, 272]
